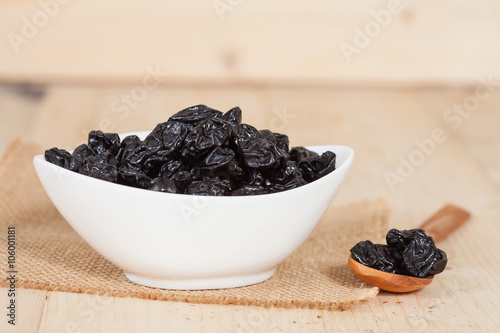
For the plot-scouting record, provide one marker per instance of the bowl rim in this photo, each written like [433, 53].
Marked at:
[40, 159]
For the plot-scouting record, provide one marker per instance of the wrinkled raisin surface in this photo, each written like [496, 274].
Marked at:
[200, 151]
[408, 252]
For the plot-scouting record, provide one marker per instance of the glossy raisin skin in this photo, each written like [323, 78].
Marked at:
[195, 115]
[100, 171]
[376, 256]
[198, 151]
[234, 117]
[212, 187]
[82, 153]
[158, 148]
[127, 147]
[100, 142]
[62, 158]
[299, 153]
[206, 136]
[315, 167]
[134, 178]
[163, 185]
[250, 190]
[408, 252]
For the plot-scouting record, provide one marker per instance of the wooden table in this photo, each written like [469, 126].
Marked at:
[459, 163]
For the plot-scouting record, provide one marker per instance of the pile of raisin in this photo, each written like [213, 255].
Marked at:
[201, 151]
[408, 252]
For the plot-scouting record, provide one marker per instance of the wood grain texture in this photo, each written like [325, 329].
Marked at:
[445, 221]
[30, 306]
[17, 113]
[282, 42]
[385, 127]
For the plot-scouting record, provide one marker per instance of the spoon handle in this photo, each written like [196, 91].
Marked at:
[443, 222]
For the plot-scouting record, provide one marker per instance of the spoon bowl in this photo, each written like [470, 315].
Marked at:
[438, 226]
[387, 281]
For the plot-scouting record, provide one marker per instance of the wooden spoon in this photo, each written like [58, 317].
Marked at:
[438, 226]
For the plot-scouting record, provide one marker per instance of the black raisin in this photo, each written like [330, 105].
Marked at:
[159, 147]
[207, 135]
[297, 154]
[419, 256]
[195, 114]
[102, 158]
[82, 152]
[376, 256]
[439, 264]
[283, 141]
[285, 178]
[182, 179]
[170, 168]
[269, 136]
[408, 252]
[199, 150]
[133, 178]
[163, 185]
[399, 239]
[220, 162]
[262, 154]
[254, 177]
[127, 147]
[101, 171]
[62, 158]
[250, 190]
[313, 168]
[205, 188]
[234, 117]
[100, 142]
[246, 133]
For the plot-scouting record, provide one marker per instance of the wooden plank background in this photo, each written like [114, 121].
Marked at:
[85, 65]
[382, 126]
[252, 42]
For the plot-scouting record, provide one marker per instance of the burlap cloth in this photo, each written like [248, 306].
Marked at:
[51, 256]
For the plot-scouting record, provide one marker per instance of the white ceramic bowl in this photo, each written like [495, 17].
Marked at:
[178, 241]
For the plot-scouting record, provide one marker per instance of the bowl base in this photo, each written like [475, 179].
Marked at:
[201, 284]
